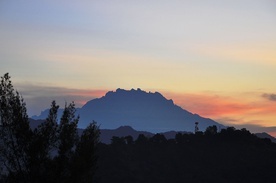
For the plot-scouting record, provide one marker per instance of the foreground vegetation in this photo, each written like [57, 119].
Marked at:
[53, 152]
[228, 156]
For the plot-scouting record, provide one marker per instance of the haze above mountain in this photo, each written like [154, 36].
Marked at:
[139, 109]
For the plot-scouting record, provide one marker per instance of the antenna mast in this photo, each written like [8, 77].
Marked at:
[196, 127]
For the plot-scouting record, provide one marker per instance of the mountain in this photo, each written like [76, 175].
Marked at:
[139, 109]
[265, 135]
[122, 131]
[44, 114]
[34, 123]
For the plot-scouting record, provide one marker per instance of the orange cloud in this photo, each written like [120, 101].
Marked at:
[39, 98]
[249, 110]
[212, 105]
[208, 105]
[273, 134]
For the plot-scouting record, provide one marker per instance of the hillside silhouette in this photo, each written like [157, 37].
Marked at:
[143, 111]
[228, 156]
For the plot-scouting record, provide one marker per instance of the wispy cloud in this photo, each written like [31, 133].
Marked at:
[39, 97]
[271, 97]
[38, 90]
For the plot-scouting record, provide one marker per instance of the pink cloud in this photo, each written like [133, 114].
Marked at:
[212, 105]
[252, 112]
[207, 105]
[39, 97]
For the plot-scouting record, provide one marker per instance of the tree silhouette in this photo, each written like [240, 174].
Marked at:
[211, 130]
[129, 139]
[158, 139]
[14, 132]
[66, 142]
[84, 160]
[43, 145]
[141, 139]
[118, 141]
[53, 152]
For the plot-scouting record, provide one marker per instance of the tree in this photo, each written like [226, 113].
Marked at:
[84, 160]
[129, 139]
[158, 139]
[67, 131]
[211, 130]
[66, 143]
[43, 145]
[14, 132]
[118, 140]
[52, 152]
[141, 139]
[70, 158]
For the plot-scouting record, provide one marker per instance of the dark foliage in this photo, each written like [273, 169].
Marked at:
[227, 156]
[53, 152]
[14, 132]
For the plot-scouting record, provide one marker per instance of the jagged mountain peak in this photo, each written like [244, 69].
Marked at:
[141, 110]
[133, 93]
[128, 98]
[144, 111]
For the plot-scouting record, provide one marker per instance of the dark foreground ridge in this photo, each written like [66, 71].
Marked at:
[229, 156]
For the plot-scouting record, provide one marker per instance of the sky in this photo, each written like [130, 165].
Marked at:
[214, 58]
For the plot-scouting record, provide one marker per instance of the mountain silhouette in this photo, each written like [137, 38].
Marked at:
[122, 131]
[144, 111]
[264, 135]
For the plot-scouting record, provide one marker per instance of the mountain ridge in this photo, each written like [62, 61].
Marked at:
[145, 111]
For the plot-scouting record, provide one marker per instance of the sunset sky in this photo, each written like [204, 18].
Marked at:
[214, 58]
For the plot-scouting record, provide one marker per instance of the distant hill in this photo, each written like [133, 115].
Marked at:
[35, 123]
[122, 131]
[107, 134]
[44, 114]
[141, 110]
[265, 135]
